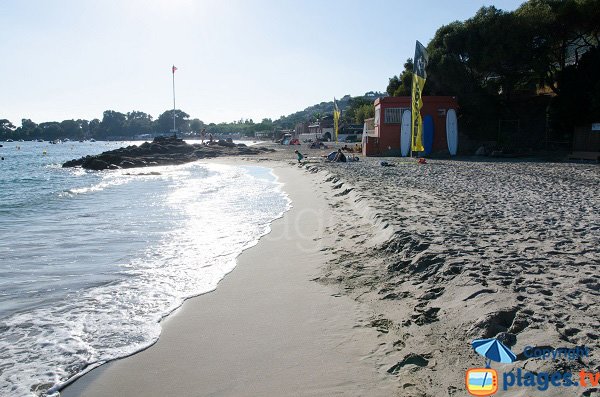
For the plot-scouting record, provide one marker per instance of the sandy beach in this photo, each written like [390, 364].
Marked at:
[267, 330]
[300, 198]
[478, 249]
[379, 278]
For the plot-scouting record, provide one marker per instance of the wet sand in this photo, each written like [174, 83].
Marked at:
[267, 330]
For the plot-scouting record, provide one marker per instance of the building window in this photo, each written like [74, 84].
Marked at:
[393, 115]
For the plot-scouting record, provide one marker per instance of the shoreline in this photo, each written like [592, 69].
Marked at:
[267, 329]
[431, 257]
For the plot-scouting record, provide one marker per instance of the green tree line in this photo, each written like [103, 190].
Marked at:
[538, 64]
[348, 105]
[112, 126]
[117, 125]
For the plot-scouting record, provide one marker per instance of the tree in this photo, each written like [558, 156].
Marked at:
[112, 124]
[349, 115]
[496, 58]
[562, 31]
[196, 126]
[579, 99]
[264, 125]
[94, 129]
[28, 130]
[6, 129]
[316, 116]
[393, 85]
[401, 86]
[490, 51]
[482, 61]
[363, 112]
[84, 127]
[164, 123]
[138, 123]
[51, 130]
[71, 129]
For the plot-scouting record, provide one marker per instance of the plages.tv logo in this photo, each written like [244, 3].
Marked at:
[484, 381]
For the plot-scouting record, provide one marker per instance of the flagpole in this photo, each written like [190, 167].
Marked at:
[174, 128]
[334, 120]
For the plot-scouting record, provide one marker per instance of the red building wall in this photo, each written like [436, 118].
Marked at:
[386, 141]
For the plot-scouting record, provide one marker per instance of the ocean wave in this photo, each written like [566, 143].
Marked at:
[195, 220]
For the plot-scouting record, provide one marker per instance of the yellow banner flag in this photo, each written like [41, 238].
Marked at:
[418, 82]
[336, 119]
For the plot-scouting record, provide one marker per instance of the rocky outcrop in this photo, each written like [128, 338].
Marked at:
[162, 151]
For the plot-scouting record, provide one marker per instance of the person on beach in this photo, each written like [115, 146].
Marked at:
[203, 134]
[300, 156]
[340, 157]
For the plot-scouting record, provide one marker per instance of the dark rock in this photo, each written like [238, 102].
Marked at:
[95, 164]
[73, 163]
[161, 151]
[127, 164]
[225, 143]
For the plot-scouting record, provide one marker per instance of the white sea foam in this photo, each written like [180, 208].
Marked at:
[156, 240]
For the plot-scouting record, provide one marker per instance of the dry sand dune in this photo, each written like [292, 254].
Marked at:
[471, 250]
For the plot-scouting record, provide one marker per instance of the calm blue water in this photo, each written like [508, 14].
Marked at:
[91, 261]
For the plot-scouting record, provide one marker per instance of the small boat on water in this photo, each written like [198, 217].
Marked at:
[92, 140]
[9, 140]
[40, 140]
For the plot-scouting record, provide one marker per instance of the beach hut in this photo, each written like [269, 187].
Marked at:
[385, 138]
[586, 142]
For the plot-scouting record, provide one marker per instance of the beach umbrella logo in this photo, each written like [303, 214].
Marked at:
[493, 350]
[484, 381]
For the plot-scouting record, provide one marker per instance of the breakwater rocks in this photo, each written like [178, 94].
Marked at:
[162, 151]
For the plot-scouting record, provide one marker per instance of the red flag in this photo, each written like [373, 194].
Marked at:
[174, 69]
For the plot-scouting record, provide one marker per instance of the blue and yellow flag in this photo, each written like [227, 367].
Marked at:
[336, 119]
[418, 82]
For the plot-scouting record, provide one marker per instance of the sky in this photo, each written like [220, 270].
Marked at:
[235, 59]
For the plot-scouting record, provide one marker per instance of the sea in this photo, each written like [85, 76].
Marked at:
[92, 261]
